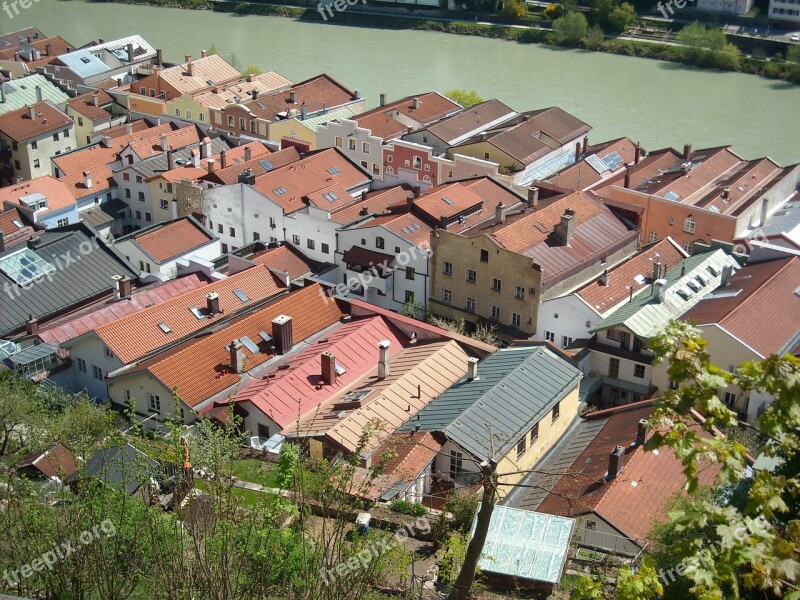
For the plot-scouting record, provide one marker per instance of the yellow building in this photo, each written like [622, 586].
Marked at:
[305, 130]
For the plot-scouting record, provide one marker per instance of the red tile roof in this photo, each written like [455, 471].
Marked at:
[56, 462]
[405, 455]
[637, 496]
[383, 122]
[85, 106]
[58, 46]
[316, 93]
[474, 118]
[59, 331]
[172, 239]
[635, 272]
[285, 259]
[19, 126]
[230, 174]
[376, 203]
[448, 200]
[406, 225]
[175, 140]
[137, 335]
[317, 171]
[299, 389]
[201, 368]
[764, 314]
[102, 178]
[138, 125]
[582, 176]
[7, 218]
[57, 193]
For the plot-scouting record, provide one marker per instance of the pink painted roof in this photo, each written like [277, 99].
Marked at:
[116, 310]
[298, 390]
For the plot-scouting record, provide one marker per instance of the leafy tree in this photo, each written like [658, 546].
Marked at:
[594, 38]
[482, 333]
[570, 29]
[640, 584]
[621, 17]
[515, 9]
[252, 70]
[755, 541]
[793, 53]
[587, 588]
[212, 50]
[412, 309]
[465, 98]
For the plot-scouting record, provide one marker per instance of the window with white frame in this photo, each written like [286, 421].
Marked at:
[495, 313]
[550, 336]
[155, 402]
[515, 320]
[689, 225]
[97, 372]
[447, 268]
[470, 304]
[447, 296]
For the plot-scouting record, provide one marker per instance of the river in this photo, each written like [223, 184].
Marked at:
[657, 103]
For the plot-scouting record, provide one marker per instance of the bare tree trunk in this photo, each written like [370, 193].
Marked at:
[466, 576]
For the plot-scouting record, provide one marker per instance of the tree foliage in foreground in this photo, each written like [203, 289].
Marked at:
[465, 98]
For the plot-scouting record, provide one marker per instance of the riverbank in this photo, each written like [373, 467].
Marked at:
[784, 71]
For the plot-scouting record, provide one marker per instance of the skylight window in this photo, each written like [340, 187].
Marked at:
[249, 344]
[265, 336]
[333, 171]
[241, 295]
[694, 285]
[24, 266]
[447, 200]
[670, 195]
[340, 370]
[713, 270]
[330, 196]
[197, 312]
[684, 293]
[279, 191]
[164, 327]
[265, 164]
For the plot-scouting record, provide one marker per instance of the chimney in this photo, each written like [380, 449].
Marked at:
[212, 303]
[500, 213]
[282, 334]
[87, 180]
[409, 202]
[125, 286]
[364, 195]
[657, 269]
[248, 153]
[212, 165]
[130, 53]
[30, 39]
[726, 193]
[292, 97]
[169, 160]
[2, 92]
[415, 103]
[38, 94]
[247, 177]
[627, 183]
[382, 99]
[616, 461]
[585, 143]
[472, 368]
[223, 160]
[116, 279]
[363, 212]
[533, 197]
[202, 54]
[163, 141]
[383, 359]
[604, 278]
[196, 158]
[727, 272]
[416, 190]
[48, 48]
[95, 99]
[565, 229]
[328, 368]
[205, 147]
[2, 241]
[159, 57]
[637, 151]
[687, 151]
[129, 128]
[303, 112]
[443, 221]
[190, 68]
[577, 151]
[31, 325]
[254, 94]
[641, 432]
[659, 290]
[237, 358]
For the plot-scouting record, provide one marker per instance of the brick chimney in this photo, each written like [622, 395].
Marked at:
[416, 190]
[237, 357]
[328, 364]
[383, 359]
[31, 325]
[687, 151]
[585, 143]
[636, 154]
[170, 166]
[202, 54]
[282, 334]
[292, 97]
[212, 303]
[48, 47]
[248, 153]
[130, 52]
[616, 461]
[223, 160]
[565, 229]
[577, 151]
[533, 197]
[627, 182]
[211, 165]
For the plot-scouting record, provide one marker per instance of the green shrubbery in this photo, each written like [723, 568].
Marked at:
[407, 508]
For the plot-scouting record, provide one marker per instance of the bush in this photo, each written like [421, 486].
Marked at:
[594, 38]
[570, 29]
[407, 508]
[553, 11]
[514, 9]
[462, 505]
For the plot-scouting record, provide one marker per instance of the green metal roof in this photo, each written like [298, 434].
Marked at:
[526, 544]
[22, 92]
[514, 389]
[312, 122]
[645, 317]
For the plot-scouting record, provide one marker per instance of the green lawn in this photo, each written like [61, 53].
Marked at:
[245, 498]
[255, 471]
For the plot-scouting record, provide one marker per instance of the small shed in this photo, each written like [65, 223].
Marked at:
[525, 548]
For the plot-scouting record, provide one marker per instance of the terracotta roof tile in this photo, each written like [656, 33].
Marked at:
[138, 125]
[285, 259]
[133, 337]
[56, 462]
[222, 96]
[298, 389]
[406, 455]
[101, 176]
[376, 203]
[635, 272]
[316, 93]
[84, 105]
[60, 331]
[275, 160]
[383, 121]
[201, 369]
[764, 314]
[210, 68]
[172, 239]
[56, 191]
[471, 119]
[406, 225]
[19, 126]
[7, 218]
[179, 138]
[582, 176]
[317, 171]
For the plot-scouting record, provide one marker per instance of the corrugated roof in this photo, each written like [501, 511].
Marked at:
[22, 92]
[646, 317]
[84, 63]
[312, 122]
[470, 120]
[220, 97]
[141, 48]
[211, 68]
[515, 388]
[86, 276]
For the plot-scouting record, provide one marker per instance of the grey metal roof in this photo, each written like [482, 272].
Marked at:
[784, 221]
[79, 275]
[119, 466]
[646, 318]
[102, 214]
[120, 48]
[514, 389]
[21, 92]
[84, 63]
[158, 164]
